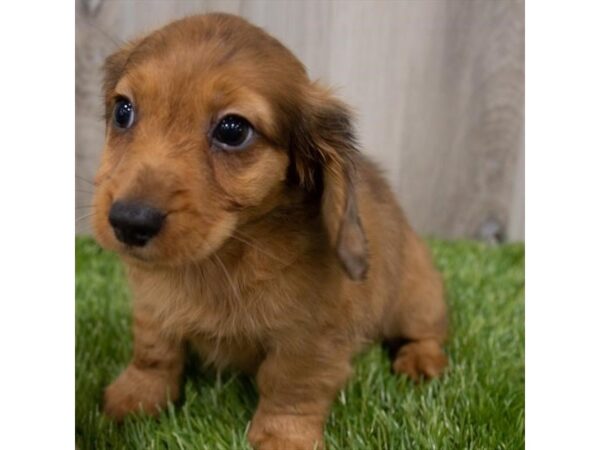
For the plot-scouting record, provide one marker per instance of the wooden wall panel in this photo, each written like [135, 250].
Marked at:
[437, 86]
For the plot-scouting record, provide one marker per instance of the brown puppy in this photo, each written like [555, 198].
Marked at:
[252, 229]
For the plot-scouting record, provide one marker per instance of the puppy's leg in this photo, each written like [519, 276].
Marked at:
[152, 378]
[417, 317]
[296, 391]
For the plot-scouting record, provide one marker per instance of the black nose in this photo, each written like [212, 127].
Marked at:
[135, 223]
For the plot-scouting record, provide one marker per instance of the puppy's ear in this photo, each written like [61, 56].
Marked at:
[324, 154]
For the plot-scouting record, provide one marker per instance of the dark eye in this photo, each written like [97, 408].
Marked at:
[123, 114]
[232, 133]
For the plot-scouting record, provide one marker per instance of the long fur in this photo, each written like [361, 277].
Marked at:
[283, 260]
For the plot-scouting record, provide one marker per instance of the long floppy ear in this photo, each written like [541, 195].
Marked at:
[324, 156]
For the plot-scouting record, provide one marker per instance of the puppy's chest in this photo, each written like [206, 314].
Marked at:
[219, 313]
[226, 306]
[228, 325]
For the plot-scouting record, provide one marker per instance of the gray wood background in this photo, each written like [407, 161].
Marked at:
[438, 87]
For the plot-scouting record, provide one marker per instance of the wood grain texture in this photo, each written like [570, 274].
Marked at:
[438, 87]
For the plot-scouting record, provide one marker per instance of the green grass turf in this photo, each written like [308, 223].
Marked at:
[478, 404]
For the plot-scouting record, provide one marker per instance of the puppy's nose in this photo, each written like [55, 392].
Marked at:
[135, 223]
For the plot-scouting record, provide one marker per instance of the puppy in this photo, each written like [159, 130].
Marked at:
[252, 229]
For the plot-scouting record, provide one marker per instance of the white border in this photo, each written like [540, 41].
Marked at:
[562, 228]
[37, 224]
[562, 224]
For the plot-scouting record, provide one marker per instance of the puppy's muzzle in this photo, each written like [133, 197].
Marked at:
[135, 223]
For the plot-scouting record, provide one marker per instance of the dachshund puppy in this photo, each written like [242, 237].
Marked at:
[252, 229]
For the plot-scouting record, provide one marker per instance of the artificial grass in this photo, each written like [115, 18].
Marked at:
[478, 404]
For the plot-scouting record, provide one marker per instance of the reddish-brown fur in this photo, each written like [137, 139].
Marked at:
[283, 260]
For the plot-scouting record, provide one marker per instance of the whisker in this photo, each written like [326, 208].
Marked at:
[250, 244]
[84, 206]
[229, 279]
[244, 239]
[85, 180]
[84, 217]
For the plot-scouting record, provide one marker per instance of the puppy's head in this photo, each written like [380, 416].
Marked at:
[211, 123]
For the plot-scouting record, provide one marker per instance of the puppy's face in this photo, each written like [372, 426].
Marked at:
[201, 120]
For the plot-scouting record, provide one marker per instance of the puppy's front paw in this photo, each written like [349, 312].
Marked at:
[285, 432]
[138, 391]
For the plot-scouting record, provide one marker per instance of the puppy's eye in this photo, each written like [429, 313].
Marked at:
[233, 133]
[123, 114]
